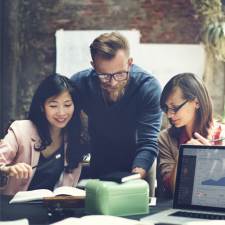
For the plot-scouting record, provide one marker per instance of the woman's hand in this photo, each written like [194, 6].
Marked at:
[19, 170]
[199, 140]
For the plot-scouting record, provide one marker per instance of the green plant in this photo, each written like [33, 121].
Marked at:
[213, 25]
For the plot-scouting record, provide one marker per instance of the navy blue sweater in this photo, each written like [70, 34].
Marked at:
[124, 134]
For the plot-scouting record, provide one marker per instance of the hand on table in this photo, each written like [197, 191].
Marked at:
[140, 170]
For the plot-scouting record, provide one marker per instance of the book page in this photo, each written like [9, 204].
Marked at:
[209, 222]
[15, 222]
[106, 219]
[67, 190]
[69, 221]
[99, 220]
[26, 196]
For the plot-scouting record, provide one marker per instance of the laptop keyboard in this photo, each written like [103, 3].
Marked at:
[207, 216]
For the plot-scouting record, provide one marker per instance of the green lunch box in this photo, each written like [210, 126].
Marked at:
[111, 198]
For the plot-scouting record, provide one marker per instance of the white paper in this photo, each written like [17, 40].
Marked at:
[15, 222]
[99, 220]
[162, 60]
[73, 48]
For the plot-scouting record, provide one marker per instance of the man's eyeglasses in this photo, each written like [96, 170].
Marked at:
[175, 109]
[118, 76]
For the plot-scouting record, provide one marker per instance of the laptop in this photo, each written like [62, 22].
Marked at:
[200, 187]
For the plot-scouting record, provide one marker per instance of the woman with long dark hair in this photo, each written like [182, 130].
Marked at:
[44, 151]
[188, 107]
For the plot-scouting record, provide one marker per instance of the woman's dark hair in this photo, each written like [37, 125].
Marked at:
[54, 85]
[192, 88]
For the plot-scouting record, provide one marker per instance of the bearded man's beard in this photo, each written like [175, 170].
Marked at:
[113, 95]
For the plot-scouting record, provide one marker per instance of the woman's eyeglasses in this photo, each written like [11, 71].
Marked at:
[118, 76]
[175, 109]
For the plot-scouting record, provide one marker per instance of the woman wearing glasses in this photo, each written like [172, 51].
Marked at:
[188, 107]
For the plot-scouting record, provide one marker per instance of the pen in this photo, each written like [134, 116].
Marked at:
[58, 156]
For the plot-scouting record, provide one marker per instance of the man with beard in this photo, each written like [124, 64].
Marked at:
[121, 101]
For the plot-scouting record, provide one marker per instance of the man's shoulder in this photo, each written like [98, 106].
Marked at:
[137, 69]
[142, 76]
[146, 83]
[81, 74]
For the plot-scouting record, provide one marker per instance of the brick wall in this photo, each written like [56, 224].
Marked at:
[29, 50]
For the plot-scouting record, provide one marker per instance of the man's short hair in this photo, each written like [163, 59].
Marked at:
[107, 45]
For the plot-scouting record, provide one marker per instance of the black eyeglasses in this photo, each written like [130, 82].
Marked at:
[175, 109]
[118, 76]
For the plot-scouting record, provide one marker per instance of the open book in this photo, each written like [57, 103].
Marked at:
[99, 220]
[15, 222]
[40, 194]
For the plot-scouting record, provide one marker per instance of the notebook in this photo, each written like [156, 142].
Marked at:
[200, 186]
[120, 176]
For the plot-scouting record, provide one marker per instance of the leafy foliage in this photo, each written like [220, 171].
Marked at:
[213, 25]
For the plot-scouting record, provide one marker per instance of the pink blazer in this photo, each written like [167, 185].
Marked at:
[18, 146]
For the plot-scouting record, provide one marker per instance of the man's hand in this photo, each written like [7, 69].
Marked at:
[140, 170]
[200, 140]
[19, 170]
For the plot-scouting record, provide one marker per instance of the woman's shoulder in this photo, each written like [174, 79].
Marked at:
[165, 137]
[22, 123]
[164, 133]
[24, 127]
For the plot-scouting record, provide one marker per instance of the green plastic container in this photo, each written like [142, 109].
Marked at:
[111, 198]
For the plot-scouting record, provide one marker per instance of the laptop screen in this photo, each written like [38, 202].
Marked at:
[200, 182]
